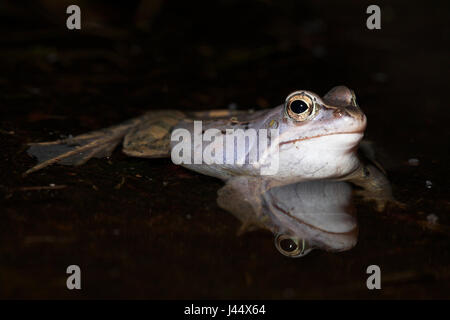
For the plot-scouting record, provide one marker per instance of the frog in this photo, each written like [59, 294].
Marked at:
[317, 138]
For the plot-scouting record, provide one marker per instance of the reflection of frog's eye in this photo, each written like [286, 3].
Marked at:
[291, 247]
[299, 107]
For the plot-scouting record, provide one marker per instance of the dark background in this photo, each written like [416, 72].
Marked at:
[143, 228]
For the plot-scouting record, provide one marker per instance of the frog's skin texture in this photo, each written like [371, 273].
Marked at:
[317, 214]
[319, 143]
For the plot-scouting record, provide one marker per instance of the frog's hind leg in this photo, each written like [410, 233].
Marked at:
[151, 138]
[145, 136]
[77, 150]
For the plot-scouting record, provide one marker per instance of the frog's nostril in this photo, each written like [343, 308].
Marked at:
[339, 113]
[353, 112]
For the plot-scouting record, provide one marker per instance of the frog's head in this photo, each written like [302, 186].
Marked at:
[319, 136]
[307, 116]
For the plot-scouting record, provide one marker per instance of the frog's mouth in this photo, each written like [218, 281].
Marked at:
[360, 132]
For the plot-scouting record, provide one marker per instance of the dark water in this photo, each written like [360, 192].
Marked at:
[148, 229]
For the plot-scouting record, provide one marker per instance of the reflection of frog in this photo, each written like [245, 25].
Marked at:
[318, 138]
[304, 216]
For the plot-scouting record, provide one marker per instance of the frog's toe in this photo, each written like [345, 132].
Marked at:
[381, 200]
[380, 204]
[73, 151]
[398, 204]
[245, 227]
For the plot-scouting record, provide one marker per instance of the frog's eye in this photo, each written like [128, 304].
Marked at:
[291, 247]
[299, 106]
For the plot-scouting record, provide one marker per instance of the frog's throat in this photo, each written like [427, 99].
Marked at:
[287, 213]
[361, 132]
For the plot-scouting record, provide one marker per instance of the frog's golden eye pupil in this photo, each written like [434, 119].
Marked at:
[288, 245]
[298, 106]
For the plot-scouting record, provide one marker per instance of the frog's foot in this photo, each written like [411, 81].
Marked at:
[77, 150]
[381, 199]
[374, 187]
[242, 196]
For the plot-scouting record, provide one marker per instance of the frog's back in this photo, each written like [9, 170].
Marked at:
[224, 147]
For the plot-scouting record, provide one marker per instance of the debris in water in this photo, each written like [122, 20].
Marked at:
[52, 186]
[120, 184]
[413, 162]
[232, 106]
[432, 218]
